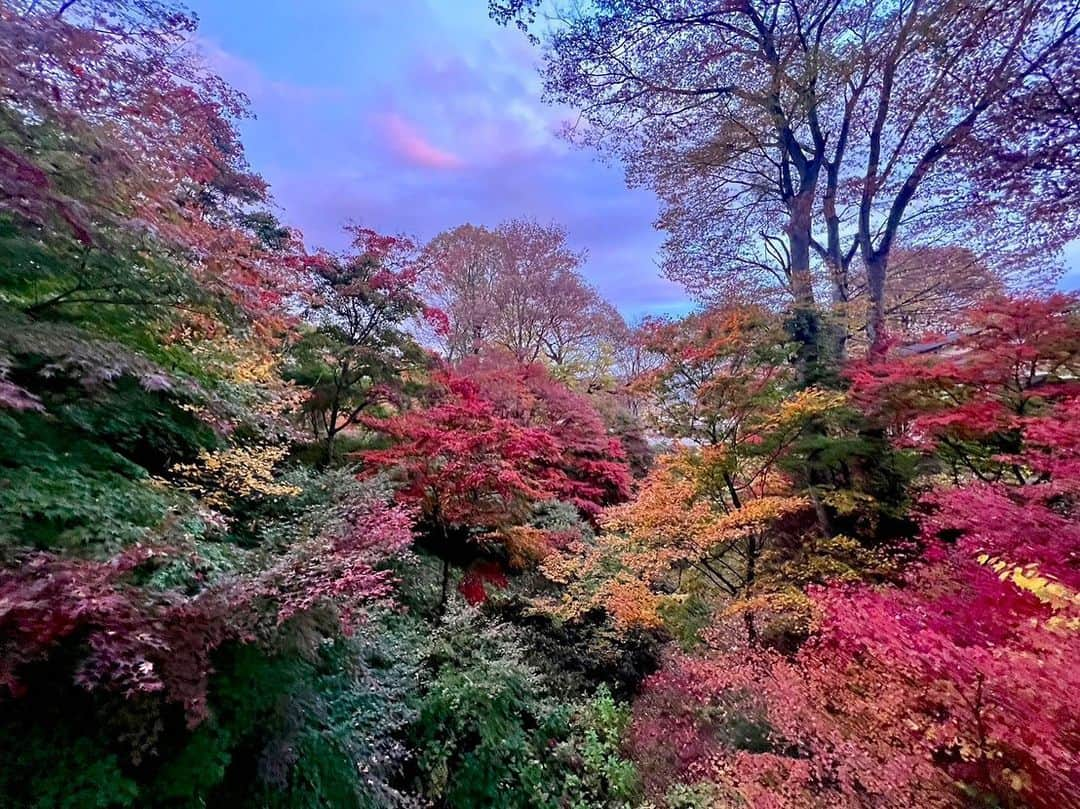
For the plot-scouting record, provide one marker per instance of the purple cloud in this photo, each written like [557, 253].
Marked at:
[408, 143]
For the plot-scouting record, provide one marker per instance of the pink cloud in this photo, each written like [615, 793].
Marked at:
[411, 145]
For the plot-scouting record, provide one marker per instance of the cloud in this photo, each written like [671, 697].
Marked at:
[415, 129]
[408, 143]
[487, 104]
[251, 79]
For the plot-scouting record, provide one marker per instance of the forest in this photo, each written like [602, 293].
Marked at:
[427, 522]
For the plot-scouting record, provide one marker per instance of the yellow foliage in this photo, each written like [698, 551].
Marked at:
[672, 526]
[244, 361]
[807, 404]
[838, 558]
[848, 501]
[221, 476]
[674, 517]
[560, 568]
[787, 611]
[630, 603]
[1064, 600]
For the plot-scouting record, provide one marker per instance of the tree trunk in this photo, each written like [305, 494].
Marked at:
[445, 586]
[751, 628]
[838, 278]
[876, 330]
[752, 549]
[330, 435]
[805, 321]
[798, 233]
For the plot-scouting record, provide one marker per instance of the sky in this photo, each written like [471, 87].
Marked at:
[415, 116]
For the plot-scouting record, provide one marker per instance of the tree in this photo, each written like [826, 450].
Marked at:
[754, 726]
[151, 536]
[955, 687]
[1008, 372]
[984, 622]
[463, 264]
[592, 463]
[712, 371]
[358, 354]
[678, 523]
[935, 146]
[768, 487]
[119, 80]
[495, 440]
[929, 288]
[672, 90]
[517, 289]
[745, 109]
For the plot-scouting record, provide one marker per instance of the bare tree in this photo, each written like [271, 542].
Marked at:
[786, 136]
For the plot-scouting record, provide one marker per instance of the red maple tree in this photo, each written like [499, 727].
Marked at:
[498, 438]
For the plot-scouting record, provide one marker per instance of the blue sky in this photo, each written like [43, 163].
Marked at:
[415, 116]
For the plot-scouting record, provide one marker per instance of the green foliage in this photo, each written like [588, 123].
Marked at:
[693, 796]
[555, 515]
[60, 488]
[43, 770]
[491, 733]
[300, 725]
[289, 727]
[595, 747]
[685, 617]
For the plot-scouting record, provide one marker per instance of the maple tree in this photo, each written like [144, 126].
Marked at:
[752, 503]
[498, 438]
[962, 676]
[146, 466]
[726, 378]
[757, 727]
[710, 371]
[972, 397]
[120, 80]
[357, 355]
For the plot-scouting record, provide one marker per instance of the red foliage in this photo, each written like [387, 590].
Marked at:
[157, 151]
[999, 404]
[136, 640]
[984, 630]
[500, 437]
[957, 677]
[342, 564]
[473, 585]
[589, 469]
[770, 731]
[1009, 359]
[963, 675]
[984, 666]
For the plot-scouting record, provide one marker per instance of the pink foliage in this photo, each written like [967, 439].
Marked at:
[136, 640]
[342, 565]
[960, 684]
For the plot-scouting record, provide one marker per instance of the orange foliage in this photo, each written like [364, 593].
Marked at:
[674, 525]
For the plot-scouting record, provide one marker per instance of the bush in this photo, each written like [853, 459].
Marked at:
[491, 732]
